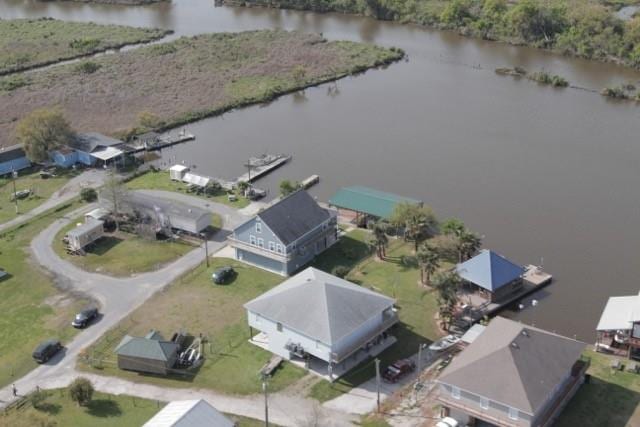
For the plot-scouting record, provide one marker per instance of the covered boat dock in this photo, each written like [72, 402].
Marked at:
[363, 203]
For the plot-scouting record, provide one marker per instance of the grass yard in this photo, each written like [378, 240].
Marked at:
[159, 180]
[416, 304]
[611, 399]
[165, 85]
[31, 309]
[26, 43]
[111, 254]
[42, 189]
[105, 410]
[195, 304]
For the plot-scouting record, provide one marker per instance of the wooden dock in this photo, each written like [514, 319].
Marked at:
[309, 182]
[256, 172]
[535, 276]
[162, 142]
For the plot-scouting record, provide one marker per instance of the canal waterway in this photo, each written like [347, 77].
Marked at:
[540, 172]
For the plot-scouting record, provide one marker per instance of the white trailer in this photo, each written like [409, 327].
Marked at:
[81, 236]
[177, 172]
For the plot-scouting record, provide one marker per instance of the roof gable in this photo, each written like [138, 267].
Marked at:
[294, 216]
[147, 348]
[319, 305]
[89, 141]
[514, 364]
[189, 413]
[489, 270]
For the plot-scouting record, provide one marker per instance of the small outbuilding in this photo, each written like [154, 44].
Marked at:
[180, 216]
[492, 273]
[78, 238]
[150, 354]
[196, 180]
[177, 172]
[189, 413]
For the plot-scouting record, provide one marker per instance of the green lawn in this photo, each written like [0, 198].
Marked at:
[42, 189]
[30, 308]
[105, 410]
[159, 180]
[111, 254]
[195, 304]
[26, 43]
[610, 399]
[416, 304]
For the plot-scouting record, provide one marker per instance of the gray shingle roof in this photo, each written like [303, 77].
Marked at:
[89, 141]
[11, 153]
[141, 201]
[514, 364]
[294, 216]
[319, 305]
[146, 348]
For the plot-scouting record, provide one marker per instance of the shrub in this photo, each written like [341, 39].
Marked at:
[84, 44]
[340, 271]
[81, 391]
[13, 82]
[87, 67]
[89, 195]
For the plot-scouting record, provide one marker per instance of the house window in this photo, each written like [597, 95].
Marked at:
[279, 248]
[484, 403]
[272, 246]
[513, 413]
[258, 227]
[455, 392]
[261, 242]
[279, 326]
[252, 240]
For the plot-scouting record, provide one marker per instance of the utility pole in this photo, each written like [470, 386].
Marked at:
[266, 401]
[378, 383]
[14, 175]
[206, 248]
[420, 358]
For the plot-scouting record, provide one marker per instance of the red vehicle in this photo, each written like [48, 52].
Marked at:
[397, 370]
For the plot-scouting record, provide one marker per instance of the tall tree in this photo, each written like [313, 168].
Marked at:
[114, 195]
[381, 239]
[447, 286]
[429, 261]
[41, 131]
[81, 391]
[468, 245]
[453, 227]
[418, 221]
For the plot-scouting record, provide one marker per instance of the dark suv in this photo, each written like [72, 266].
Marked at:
[398, 370]
[222, 274]
[83, 318]
[46, 350]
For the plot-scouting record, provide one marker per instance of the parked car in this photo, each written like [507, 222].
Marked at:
[447, 422]
[222, 274]
[398, 369]
[85, 317]
[46, 350]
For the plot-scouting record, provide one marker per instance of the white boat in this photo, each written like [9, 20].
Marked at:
[444, 343]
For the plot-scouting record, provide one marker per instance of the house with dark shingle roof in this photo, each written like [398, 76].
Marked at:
[512, 375]
[286, 236]
[149, 354]
[492, 273]
[13, 159]
[317, 315]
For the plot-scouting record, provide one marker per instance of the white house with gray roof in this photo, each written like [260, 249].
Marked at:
[189, 413]
[317, 315]
[512, 375]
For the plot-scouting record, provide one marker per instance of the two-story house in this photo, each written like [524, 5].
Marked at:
[287, 235]
[618, 330]
[315, 315]
[512, 375]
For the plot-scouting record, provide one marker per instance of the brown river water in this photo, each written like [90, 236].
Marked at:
[540, 172]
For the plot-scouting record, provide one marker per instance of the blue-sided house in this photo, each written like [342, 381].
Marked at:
[287, 235]
[13, 159]
[492, 273]
[89, 149]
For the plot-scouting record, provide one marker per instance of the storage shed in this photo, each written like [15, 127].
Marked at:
[151, 354]
[177, 172]
[196, 180]
[85, 234]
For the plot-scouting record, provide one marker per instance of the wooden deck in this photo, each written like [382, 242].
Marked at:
[259, 171]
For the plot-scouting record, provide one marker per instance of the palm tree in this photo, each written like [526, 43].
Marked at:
[453, 227]
[447, 286]
[418, 221]
[468, 244]
[429, 260]
[382, 241]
